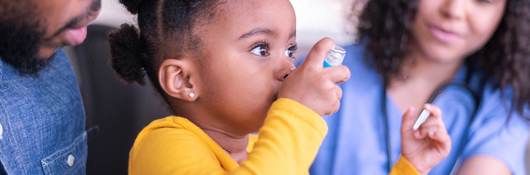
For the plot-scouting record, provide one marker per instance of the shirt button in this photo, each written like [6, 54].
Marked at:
[70, 160]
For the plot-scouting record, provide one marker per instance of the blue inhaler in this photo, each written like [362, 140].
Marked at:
[335, 57]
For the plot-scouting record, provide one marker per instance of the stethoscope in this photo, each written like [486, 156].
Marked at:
[463, 86]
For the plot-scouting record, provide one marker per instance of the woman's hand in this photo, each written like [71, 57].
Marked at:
[314, 86]
[427, 146]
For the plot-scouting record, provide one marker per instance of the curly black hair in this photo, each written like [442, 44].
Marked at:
[165, 30]
[385, 25]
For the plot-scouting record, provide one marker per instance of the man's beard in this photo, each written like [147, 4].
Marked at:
[20, 44]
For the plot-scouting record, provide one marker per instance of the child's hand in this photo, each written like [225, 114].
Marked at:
[314, 86]
[428, 145]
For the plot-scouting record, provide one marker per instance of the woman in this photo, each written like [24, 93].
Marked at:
[469, 57]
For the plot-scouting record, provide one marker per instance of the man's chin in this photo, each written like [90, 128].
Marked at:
[29, 65]
[46, 53]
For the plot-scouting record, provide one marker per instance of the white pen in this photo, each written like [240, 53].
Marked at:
[424, 115]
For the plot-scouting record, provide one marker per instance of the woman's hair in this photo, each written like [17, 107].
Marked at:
[165, 30]
[505, 59]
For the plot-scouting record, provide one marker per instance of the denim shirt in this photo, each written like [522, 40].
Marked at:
[42, 121]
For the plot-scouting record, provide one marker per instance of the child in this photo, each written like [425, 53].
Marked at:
[226, 69]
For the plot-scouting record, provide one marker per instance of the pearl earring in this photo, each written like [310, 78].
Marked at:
[191, 94]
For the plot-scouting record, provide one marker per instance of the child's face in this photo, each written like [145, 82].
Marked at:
[449, 30]
[247, 51]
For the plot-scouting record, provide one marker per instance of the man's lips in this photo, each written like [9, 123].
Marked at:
[75, 36]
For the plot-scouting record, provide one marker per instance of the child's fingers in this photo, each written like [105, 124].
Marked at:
[435, 117]
[334, 99]
[338, 74]
[429, 126]
[426, 132]
[318, 53]
[435, 111]
[338, 92]
[408, 119]
[434, 129]
[419, 135]
[439, 135]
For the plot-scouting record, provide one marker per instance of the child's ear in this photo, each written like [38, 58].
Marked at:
[174, 77]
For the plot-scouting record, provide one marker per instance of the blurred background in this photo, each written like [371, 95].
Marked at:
[117, 111]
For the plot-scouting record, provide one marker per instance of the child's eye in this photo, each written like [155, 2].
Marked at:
[291, 51]
[261, 49]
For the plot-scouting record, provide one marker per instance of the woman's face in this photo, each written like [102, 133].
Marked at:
[449, 30]
[247, 51]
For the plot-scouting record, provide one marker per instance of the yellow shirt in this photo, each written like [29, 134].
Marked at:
[287, 144]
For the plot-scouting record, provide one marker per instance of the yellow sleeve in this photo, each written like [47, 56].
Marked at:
[287, 144]
[288, 141]
[403, 167]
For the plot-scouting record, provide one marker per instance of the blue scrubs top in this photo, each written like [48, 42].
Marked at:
[356, 144]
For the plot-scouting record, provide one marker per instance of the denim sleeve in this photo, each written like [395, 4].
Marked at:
[496, 135]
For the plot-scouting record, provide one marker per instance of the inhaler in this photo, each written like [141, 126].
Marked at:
[335, 57]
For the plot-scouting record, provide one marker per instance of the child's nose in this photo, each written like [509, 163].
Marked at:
[284, 68]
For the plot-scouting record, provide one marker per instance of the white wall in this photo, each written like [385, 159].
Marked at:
[319, 18]
[113, 14]
[315, 19]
